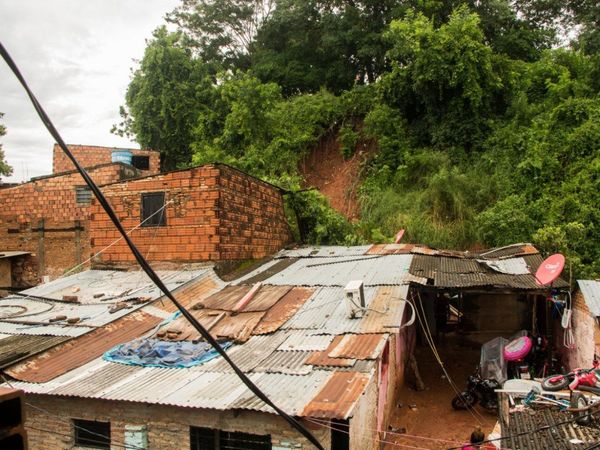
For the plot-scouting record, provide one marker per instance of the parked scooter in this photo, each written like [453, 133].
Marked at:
[581, 379]
[478, 390]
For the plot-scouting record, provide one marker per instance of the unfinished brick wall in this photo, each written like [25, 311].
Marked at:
[43, 217]
[92, 155]
[213, 212]
[49, 423]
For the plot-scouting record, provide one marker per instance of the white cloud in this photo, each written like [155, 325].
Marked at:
[76, 57]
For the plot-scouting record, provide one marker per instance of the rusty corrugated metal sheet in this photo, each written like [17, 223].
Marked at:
[18, 347]
[191, 293]
[78, 351]
[509, 251]
[390, 249]
[337, 398]
[227, 298]
[283, 310]
[238, 327]
[359, 346]
[323, 359]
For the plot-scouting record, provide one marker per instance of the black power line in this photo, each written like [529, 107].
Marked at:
[144, 264]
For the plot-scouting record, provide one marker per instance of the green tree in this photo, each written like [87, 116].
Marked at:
[164, 99]
[221, 31]
[442, 80]
[5, 169]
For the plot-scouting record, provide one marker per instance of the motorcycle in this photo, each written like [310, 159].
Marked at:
[580, 379]
[478, 390]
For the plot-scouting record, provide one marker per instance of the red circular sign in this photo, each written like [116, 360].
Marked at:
[550, 269]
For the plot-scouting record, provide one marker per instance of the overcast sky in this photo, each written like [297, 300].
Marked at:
[76, 56]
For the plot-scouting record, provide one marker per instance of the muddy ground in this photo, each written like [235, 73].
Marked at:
[426, 419]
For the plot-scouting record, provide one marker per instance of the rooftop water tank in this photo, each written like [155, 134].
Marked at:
[122, 156]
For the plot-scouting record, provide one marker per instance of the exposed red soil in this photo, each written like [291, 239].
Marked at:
[431, 423]
[337, 179]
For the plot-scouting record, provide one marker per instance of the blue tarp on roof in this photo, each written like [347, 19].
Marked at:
[156, 353]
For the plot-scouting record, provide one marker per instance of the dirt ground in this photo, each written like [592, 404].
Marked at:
[337, 179]
[425, 419]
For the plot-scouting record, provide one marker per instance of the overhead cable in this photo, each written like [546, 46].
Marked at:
[144, 264]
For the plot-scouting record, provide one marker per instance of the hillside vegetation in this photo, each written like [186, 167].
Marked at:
[487, 125]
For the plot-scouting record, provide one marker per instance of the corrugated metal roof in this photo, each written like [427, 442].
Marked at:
[446, 272]
[389, 249]
[77, 352]
[511, 266]
[266, 270]
[283, 310]
[112, 284]
[292, 363]
[557, 431]
[17, 348]
[227, 298]
[373, 270]
[248, 355]
[304, 341]
[591, 294]
[326, 312]
[95, 312]
[508, 251]
[359, 346]
[331, 251]
[339, 395]
[323, 359]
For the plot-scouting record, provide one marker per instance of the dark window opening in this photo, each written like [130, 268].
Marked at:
[153, 210]
[209, 439]
[140, 162]
[340, 435]
[89, 433]
[83, 195]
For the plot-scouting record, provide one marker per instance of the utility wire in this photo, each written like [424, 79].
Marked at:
[144, 264]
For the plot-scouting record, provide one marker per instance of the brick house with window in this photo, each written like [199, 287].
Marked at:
[212, 212]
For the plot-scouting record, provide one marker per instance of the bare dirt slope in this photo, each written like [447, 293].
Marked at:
[337, 179]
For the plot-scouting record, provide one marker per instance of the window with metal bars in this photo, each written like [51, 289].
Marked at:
[153, 212]
[91, 434]
[83, 195]
[210, 439]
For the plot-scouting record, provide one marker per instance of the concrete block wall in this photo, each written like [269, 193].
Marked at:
[213, 212]
[168, 427]
[92, 155]
[43, 217]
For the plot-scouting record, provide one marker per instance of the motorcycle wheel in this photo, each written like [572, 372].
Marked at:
[464, 400]
[578, 400]
[555, 383]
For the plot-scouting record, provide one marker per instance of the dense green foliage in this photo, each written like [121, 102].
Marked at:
[486, 134]
[5, 169]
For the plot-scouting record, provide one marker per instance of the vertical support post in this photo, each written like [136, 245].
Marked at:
[78, 241]
[41, 249]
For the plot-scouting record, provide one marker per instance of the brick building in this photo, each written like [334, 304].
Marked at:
[211, 212]
[146, 161]
[48, 216]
